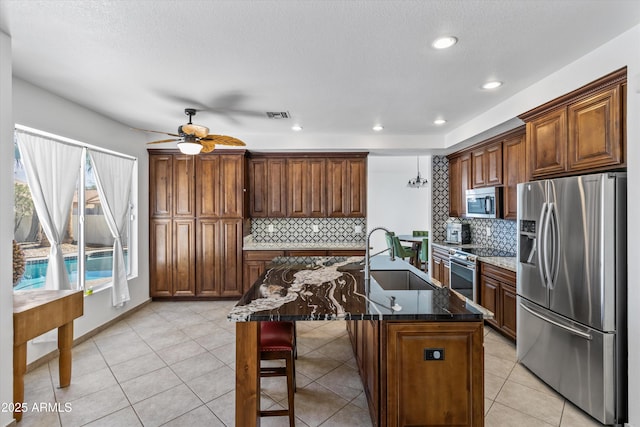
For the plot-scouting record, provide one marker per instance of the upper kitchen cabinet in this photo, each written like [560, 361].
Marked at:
[309, 185]
[217, 191]
[161, 174]
[514, 170]
[486, 164]
[459, 182]
[267, 187]
[346, 187]
[306, 185]
[582, 131]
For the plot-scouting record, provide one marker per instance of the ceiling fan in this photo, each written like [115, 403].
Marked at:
[193, 139]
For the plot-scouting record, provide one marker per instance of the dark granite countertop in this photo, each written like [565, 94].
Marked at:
[333, 288]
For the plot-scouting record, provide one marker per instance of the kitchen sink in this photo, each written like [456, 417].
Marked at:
[400, 280]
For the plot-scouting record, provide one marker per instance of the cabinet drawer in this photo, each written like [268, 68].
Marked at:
[261, 255]
[502, 274]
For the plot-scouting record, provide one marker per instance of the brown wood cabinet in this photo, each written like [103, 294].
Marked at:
[346, 187]
[486, 164]
[582, 131]
[403, 388]
[310, 185]
[440, 266]
[459, 183]
[498, 294]
[196, 205]
[255, 263]
[514, 170]
[267, 187]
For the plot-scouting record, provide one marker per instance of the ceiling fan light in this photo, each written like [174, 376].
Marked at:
[191, 148]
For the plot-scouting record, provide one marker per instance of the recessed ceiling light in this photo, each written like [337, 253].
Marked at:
[378, 128]
[492, 85]
[444, 42]
[296, 128]
[439, 122]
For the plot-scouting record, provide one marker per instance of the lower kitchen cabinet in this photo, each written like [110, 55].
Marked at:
[440, 266]
[403, 388]
[498, 294]
[255, 264]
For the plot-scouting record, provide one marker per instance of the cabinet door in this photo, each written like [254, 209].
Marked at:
[258, 188]
[547, 144]
[183, 185]
[594, 131]
[446, 270]
[465, 182]
[356, 202]
[183, 257]
[436, 268]
[508, 308]
[252, 270]
[423, 392]
[160, 258]
[515, 172]
[297, 179]
[479, 173]
[208, 261]
[316, 188]
[276, 188]
[489, 298]
[160, 184]
[208, 186]
[231, 258]
[231, 185]
[337, 187]
[493, 164]
[455, 197]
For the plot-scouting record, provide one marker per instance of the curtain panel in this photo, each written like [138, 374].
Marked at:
[113, 178]
[52, 172]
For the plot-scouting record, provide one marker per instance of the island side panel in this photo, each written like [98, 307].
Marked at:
[434, 392]
[247, 374]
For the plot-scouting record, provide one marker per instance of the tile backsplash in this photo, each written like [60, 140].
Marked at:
[496, 233]
[301, 230]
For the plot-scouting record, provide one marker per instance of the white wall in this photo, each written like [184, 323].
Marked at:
[6, 228]
[39, 109]
[390, 203]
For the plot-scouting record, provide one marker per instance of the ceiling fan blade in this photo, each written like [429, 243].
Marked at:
[207, 146]
[156, 131]
[164, 140]
[224, 140]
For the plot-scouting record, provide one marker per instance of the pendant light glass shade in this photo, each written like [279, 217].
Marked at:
[191, 148]
[418, 181]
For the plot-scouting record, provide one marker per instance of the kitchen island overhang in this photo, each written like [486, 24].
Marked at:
[335, 288]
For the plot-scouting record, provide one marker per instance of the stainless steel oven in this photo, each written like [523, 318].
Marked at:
[462, 273]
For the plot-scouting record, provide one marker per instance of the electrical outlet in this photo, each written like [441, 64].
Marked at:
[270, 228]
[488, 231]
[315, 228]
[357, 229]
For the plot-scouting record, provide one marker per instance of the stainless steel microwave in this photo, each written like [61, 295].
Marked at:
[484, 202]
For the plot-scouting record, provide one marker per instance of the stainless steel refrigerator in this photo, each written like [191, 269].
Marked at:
[571, 286]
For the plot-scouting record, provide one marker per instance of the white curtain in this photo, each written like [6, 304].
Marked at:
[52, 173]
[113, 179]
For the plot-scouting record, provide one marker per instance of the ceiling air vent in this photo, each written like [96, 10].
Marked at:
[278, 114]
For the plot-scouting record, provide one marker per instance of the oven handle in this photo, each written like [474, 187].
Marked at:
[466, 264]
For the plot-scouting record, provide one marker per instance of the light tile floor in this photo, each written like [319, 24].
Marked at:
[172, 364]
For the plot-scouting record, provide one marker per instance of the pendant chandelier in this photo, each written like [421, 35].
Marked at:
[418, 181]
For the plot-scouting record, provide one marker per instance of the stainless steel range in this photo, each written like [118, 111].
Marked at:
[463, 265]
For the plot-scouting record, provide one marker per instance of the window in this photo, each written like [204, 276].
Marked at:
[86, 240]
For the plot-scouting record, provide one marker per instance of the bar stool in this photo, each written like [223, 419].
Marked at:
[277, 341]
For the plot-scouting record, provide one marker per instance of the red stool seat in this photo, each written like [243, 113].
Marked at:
[277, 341]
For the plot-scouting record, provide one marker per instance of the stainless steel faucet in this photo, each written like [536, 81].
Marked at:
[367, 260]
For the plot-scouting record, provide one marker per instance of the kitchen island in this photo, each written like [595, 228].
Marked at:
[419, 347]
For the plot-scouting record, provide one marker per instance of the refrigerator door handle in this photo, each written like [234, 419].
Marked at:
[558, 324]
[542, 245]
[554, 260]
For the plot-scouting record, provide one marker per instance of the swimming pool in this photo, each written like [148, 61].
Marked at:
[98, 265]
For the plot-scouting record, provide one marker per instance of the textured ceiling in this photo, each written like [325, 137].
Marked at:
[337, 67]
